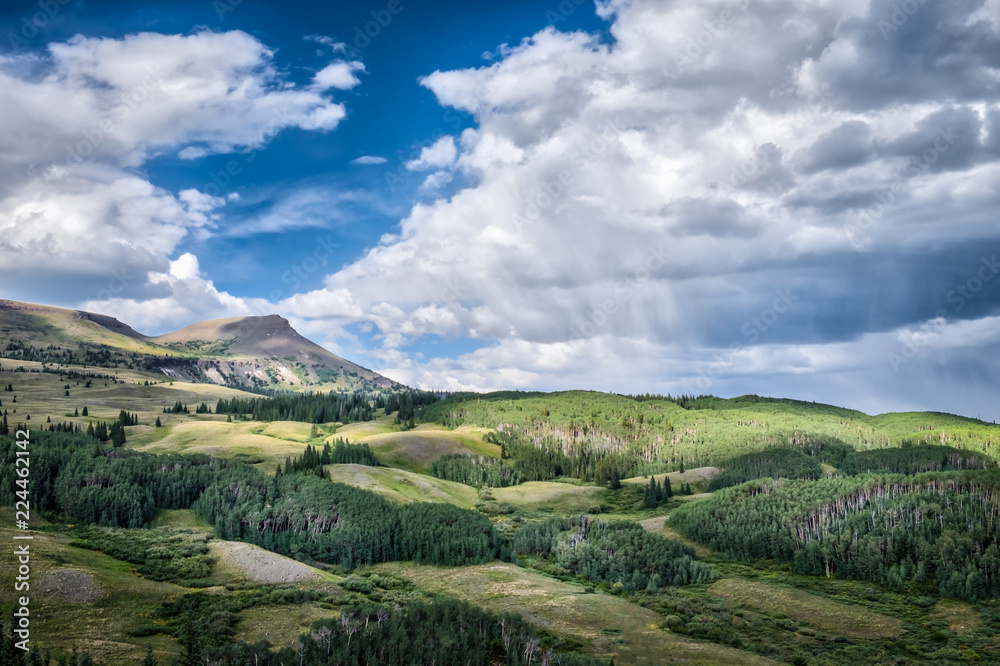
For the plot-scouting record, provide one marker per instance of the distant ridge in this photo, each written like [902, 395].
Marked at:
[244, 352]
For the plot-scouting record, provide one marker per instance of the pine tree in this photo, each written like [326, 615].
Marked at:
[614, 483]
[150, 660]
[159, 424]
[86, 412]
[651, 494]
[190, 642]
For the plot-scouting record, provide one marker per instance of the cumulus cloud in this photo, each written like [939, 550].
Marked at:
[81, 121]
[339, 75]
[187, 296]
[440, 154]
[633, 200]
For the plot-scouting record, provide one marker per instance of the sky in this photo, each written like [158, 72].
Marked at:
[788, 198]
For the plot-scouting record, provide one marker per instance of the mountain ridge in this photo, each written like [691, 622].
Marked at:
[256, 352]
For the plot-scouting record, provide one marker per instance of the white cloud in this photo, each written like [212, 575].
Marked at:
[439, 155]
[436, 181]
[339, 75]
[631, 201]
[369, 159]
[82, 119]
[188, 297]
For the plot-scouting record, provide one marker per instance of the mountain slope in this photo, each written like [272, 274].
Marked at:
[243, 352]
[42, 325]
[267, 349]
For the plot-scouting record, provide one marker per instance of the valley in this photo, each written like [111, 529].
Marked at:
[213, 531]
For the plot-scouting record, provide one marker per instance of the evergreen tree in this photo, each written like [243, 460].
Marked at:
[651, 494]
[190, 642]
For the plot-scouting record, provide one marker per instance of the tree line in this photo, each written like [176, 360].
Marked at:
[307, 408]
[343, 453]
[293, 514]
[785, 463]
[936, 528]
[613, 551]
[343, 525]
[772, 463]
[476, 471]
[547, 459]
[444, 632]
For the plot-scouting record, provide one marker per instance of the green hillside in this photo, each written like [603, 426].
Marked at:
[665, 434]
[793, 532]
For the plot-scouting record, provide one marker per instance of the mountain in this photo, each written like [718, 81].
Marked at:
[242, 352]
[44, 325]
[265, 349]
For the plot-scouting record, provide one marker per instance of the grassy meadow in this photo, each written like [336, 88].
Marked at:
[749, 612]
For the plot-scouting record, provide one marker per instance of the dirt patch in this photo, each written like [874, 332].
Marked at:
[259, 565]
[70, 585]
[960, 616]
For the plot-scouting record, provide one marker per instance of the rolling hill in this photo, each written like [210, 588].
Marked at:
[242, 352]
[801, 565]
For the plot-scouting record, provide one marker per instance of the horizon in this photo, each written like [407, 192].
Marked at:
[628, 197]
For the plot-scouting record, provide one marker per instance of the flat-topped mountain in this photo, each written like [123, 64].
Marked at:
[243, 352]
[267, 348]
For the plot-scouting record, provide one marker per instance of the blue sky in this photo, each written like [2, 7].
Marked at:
[793, 199]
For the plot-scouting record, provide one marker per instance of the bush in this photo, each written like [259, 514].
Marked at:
[358, 584]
